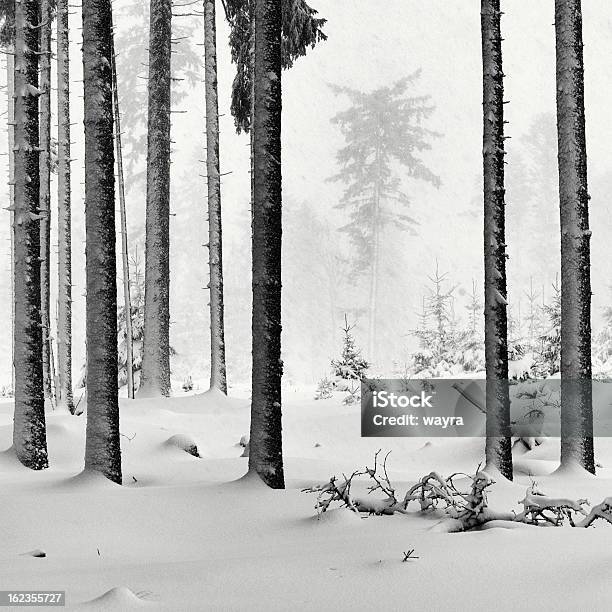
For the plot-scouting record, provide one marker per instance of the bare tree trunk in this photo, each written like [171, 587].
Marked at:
[102, 446]
[29, 431]
[266, 453]
[45, 189]
[155, 374]
[127, 298]
[215, 251]
[10, 102]
[576, 391]
[64, 222]
[498, 442]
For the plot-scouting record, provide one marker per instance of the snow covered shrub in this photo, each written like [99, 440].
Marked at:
[547, 358]
[602, 349]
[446, 347]
[6, 391]
[187, 384]
[325, 389]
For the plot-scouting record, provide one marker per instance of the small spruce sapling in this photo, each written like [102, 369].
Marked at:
[351, 368]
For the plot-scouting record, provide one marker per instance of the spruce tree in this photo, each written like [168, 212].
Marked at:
[215, 242]
[46, 14]
[576, 369]
[155, 376]
[102, 442]
[64, 221]
[266, 447]
[29, 428]
[498, 442]
[382, 129]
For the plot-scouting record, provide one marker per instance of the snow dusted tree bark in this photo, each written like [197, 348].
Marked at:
[64, 229]
[498, 441]
[102, 446]
[29, 431]
[266, 454]
[155, 375]
[10, 104]
[45, 189]
[215, 251]
[576, 391]
[127, 298]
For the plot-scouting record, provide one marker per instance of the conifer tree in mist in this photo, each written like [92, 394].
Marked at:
[29, 429]
[498, 448]
[576, 371]
[102, 445]
[380, 128]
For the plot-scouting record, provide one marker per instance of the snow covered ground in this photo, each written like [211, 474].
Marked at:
[187, 533]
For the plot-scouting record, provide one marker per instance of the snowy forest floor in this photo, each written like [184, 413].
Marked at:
[183, 534]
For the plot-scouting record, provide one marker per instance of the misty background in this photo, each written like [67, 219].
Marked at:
[370, 45]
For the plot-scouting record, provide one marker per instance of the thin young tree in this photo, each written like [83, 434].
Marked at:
[498, 448]
[155, 376]
[576, 391]
[218, 378]
[44, 28]
[29, 430]
[7, 39]
[266, 448]
[64, 215]
[102, 446]
[127, 299]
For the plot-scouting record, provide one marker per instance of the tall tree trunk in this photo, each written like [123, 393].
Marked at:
[10, 103]
[45, 189]
[29, 431]
[498, 442]
[266, 452]
[375, 264]
[102, 446]
[576, 391]
[127, 298]
[64, 229]
[155, 374]
[215, 251]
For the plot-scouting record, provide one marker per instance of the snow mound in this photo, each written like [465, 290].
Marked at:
[118, 598]
[87, 480]
[336, 517]
[185, 443]
[37, 552]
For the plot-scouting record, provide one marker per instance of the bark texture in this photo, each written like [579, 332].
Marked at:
[127, 298]
[45, 190]
[498, 442]
[10, 104]
[266, 455]
[102, 447]
[155, 374]
[218, 378]
[576, 391]
[64, 223]
[29, 431]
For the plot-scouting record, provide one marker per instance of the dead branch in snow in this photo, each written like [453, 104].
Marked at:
[463, 510]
